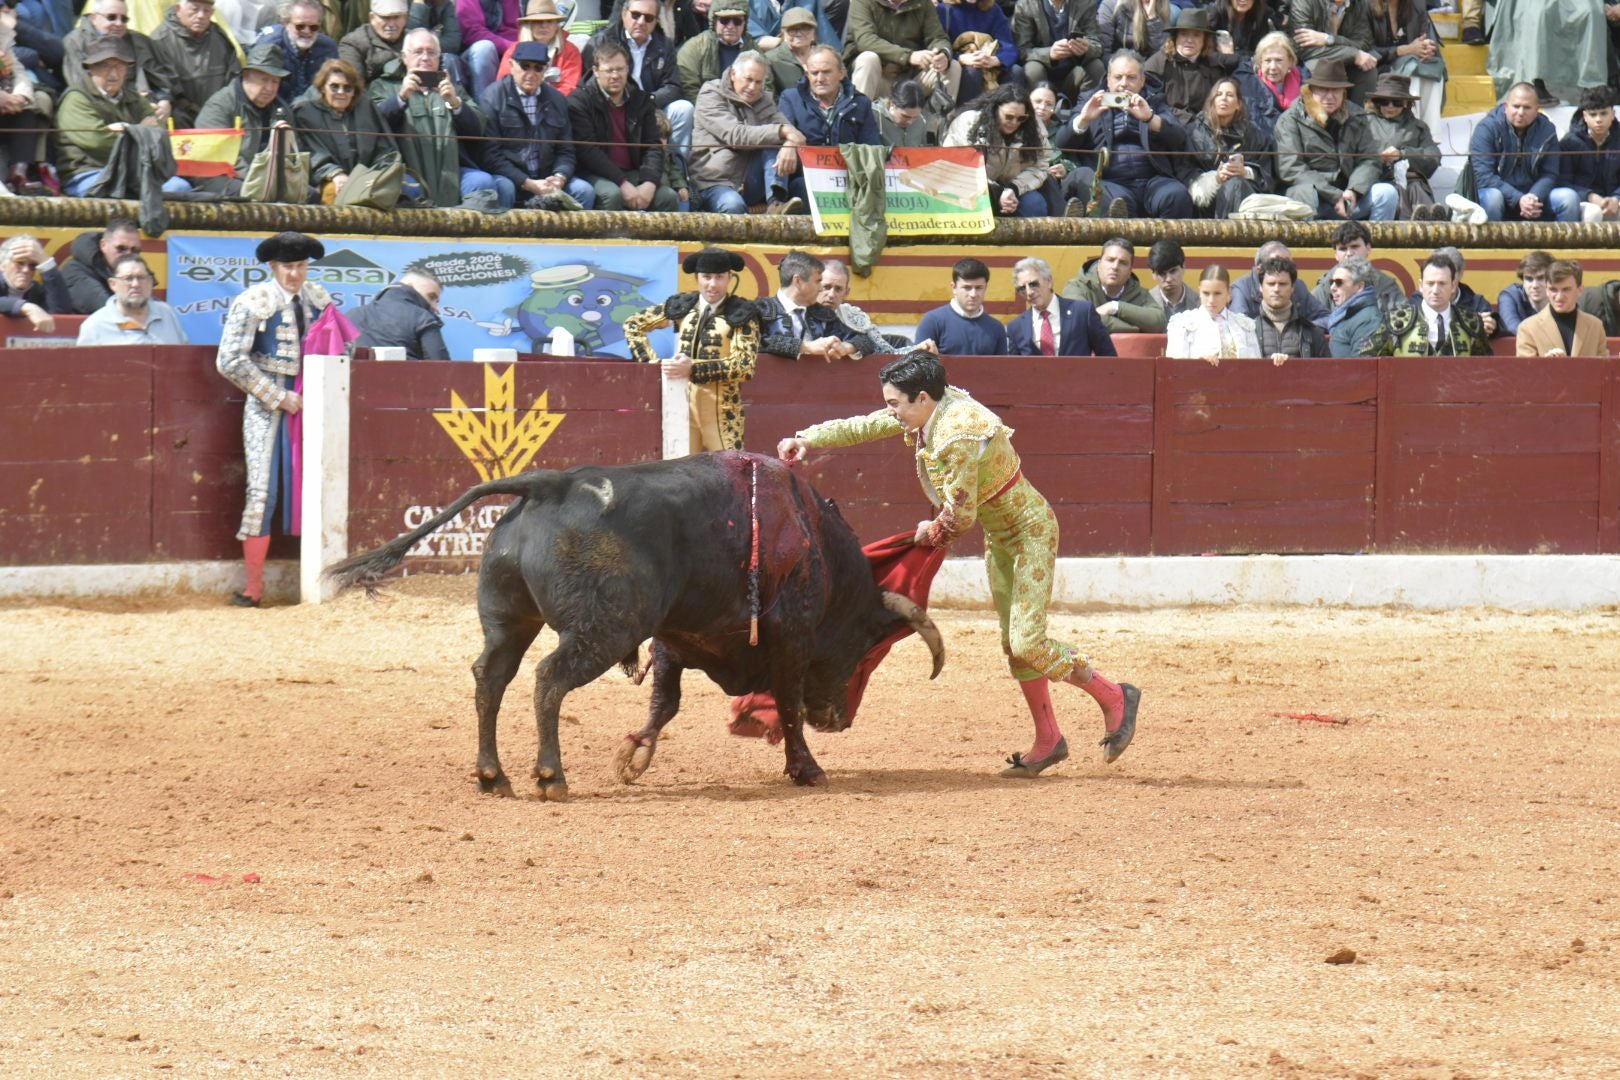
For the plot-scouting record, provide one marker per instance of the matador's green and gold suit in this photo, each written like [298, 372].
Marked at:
[970, 472]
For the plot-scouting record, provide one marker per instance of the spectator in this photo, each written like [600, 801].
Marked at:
[1168, 265]
[886, 41]
[1061, 44]
[1472, 13]
[834, 295]
[440, 17]
[1339, 31]
[1186, 66]
[963, 327]
[903, 118]
[489, 28]
[1407, 153]
[1246, 293]
[530, 147]
[429, 116]
[703, 58]
[1246, 23]
[795, 325]
[1211, 331]
[1231, 157]
[619, 151]
[1141, 138]
[373, 48]
[680, 20]
[110, 18]
[676, 177]
[1513, 152]
[250, 103]
[1003, 125]
[1276, 83]
[192, 58]
[1043, 102]
[91, 260]
[21, 148]
[1325, 152]
[1356, 313]
[767, 23]
[304, 48]
[36, 46]
[1433, 326]
[130, 316]
[1465, 296]
[827, 110]
[1121, 302]
[340, 127]
[1590, 162]
[30, 284]
[1408, 49]
[1603, 301]
[405, 315]
[1353, 240]
[90, 117]
[737, 128]
[1562, 328]
[650, 53]
[1281, 329]
[986, 65]
[789, 56]
[1526, 296]
[1052, 326]
[542, 22]
[1138, 25]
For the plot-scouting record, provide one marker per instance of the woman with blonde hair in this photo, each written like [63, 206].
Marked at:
[1210, 331]
[1276, 83]
[1141, 25]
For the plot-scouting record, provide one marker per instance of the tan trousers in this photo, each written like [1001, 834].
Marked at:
[870, 77]
[1472, 12]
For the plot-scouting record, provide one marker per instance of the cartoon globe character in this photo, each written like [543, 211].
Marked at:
[585, 300]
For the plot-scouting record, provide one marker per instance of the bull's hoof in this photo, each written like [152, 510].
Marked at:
[632, 757]
[494, 782]
[552, 791]
[814, 778]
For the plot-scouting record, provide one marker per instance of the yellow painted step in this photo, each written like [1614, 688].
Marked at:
[1464, 59]
[1469, 94]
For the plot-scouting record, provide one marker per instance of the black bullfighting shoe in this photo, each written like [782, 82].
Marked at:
[242, 599]
[1019, 769]
[1115, 742]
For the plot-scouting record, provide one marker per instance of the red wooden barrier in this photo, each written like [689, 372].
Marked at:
[17, 332]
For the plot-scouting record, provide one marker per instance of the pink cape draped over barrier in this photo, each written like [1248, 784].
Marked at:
[330, 336]
[898, 565]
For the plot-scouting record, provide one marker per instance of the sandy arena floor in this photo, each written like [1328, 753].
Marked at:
[1168, 916]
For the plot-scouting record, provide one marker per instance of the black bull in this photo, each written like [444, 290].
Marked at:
[609, 556]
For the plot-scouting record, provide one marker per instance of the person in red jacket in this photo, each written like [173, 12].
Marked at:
[542, 22]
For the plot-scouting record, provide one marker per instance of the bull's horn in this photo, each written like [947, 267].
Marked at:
[920, 622]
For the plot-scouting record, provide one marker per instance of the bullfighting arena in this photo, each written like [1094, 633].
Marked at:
[249, 843]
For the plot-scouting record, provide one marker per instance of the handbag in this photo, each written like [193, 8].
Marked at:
[279, 172]
[378, 185]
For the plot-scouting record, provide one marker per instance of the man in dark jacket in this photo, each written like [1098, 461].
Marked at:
[192, 57]
[1060, 44]
[1053, 325]
[303, 47]
[90, 265]
[653, 69]
[827, 109]
[250, 103]
[110, 19]
[404, 315]
[1281, 328]
[1141, 138]
[795, 326]
[1513, 151]
[23, 294]
[1591, 156]
[1356, 313]
[1604, 302]
[1246, 290]
[618, 146]
[530, 151]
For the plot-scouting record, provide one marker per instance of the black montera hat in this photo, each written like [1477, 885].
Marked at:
[290, 247]
[712, 260]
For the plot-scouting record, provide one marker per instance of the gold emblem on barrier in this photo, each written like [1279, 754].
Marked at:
[496, 439]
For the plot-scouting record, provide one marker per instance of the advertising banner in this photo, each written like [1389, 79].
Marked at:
[929, 190]
[532, 297]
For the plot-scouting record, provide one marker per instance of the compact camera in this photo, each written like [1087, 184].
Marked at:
[1114, 99]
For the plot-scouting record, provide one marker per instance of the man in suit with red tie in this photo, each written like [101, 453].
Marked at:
[1053, 326]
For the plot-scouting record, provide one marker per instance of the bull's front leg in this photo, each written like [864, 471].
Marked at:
[635, 753]
[505, 642]
[801, 765]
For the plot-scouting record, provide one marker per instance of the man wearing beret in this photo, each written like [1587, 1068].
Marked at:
[716, 346]
[261, 351]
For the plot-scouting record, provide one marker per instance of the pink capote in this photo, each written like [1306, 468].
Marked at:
[330, 336]
[898, 565]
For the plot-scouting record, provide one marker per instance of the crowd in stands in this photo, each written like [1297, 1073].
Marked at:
[1110, 108]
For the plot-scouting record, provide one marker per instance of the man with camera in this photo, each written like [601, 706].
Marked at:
[886, 41]
[434, 114]
[1133, 138]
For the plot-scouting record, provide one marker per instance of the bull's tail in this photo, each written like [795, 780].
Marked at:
[368, 567]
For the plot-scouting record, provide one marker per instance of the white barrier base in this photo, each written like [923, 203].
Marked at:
[1422, 582]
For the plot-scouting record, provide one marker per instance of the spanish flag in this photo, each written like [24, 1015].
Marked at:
[205, 151]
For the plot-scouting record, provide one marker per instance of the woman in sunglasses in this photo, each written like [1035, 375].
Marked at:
[340, 126]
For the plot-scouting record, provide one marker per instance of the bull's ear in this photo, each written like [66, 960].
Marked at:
[919, 621]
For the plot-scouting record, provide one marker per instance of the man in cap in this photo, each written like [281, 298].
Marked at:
[131, 316]
[110, 19]
[787, 58]
[543, 23]
[650, 62]
[303, 47]
[261, 351]
[1326, 156]
[90, 116]
[705, 56]
[192, 57]
[433, 115]
[716, 346]
[251, 104]
[371, 48]
[530, 147]
[1408, 155]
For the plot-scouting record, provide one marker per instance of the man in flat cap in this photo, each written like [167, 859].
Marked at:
[91, 114]
[261, 351]
[716, 346]
[251, 102]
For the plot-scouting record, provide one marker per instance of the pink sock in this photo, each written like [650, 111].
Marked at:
[1038, 695]
[254, 551]
[1108, 695]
